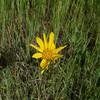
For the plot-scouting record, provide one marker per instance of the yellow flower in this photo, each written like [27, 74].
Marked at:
[47, 51]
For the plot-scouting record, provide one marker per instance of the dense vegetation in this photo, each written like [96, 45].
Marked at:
[74, 77]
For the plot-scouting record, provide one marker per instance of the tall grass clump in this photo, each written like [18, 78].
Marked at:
[76, 23]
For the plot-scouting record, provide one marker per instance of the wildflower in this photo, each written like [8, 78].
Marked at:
[47, 51]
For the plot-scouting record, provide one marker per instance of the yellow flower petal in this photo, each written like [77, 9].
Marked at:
[57, 56]
[45, 41]
[37, 55]
[42, 70]
[59, 49]
[37, 48]
[44, 63]
[51, 40]
[40, 43]
[53, 46]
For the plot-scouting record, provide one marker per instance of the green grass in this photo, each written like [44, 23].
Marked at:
[74, 77]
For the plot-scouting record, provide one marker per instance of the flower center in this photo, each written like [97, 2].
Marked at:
[48, 54]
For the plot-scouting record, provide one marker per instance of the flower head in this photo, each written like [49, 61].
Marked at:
[46, 50]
